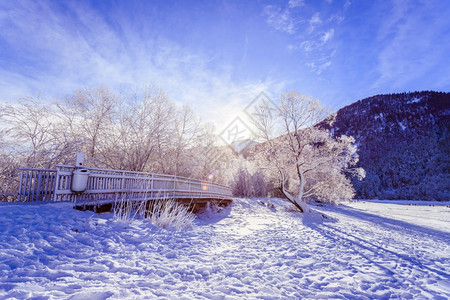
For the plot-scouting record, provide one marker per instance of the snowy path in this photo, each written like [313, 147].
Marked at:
[249, 251]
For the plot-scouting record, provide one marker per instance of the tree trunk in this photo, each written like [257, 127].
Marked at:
[296, 200]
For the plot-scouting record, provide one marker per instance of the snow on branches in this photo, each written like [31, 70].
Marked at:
[309, 163]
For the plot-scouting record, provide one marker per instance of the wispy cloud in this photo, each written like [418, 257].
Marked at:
[63, 50]
[327, 36]
[318, 42]
[314, 21]
[409, 45]
[319, 67]
[313, 37]
[60, 53]
[55, 47]
[280, 19]
[296, 3]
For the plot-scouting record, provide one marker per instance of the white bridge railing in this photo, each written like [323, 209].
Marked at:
[105, 185]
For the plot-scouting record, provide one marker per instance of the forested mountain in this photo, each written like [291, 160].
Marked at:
[403, 142]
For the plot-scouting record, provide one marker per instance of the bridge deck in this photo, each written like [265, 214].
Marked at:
[108, 186]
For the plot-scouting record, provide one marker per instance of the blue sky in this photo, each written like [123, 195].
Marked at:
[219, 55]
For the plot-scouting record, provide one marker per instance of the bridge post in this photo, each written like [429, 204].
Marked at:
[190, 189]
[151, 186]
[122, 187]
[38, 186]
[174, 186]
[20, 194]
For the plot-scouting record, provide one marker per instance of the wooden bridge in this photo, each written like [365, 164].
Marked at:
[106, 186]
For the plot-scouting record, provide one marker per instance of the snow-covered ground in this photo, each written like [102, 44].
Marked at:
[370, 250]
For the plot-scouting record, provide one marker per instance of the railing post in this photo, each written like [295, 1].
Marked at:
[27, 190]
[38, 186]
[174, 186]
[19, 194]
[45, 185]
[122, 187]
[151, 186]
[56, 189]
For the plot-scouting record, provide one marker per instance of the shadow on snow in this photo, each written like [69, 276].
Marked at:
[340, 237]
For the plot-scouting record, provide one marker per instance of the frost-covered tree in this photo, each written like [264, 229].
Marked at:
[307, 161]
[188, 131]
[88, 116]
[144, 129]
[207, 159]
[31, 133]
[8, 171]
[141, 130]
[246, 184]
[258, 184]
[241, 184]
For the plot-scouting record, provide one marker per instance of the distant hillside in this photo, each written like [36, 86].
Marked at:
[403, 142]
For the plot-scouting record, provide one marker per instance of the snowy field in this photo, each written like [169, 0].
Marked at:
[249, 251]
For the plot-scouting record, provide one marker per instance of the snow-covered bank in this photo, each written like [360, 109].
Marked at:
[374, 250]
[431, 214]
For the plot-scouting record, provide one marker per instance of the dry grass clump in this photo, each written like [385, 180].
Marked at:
[165, 213]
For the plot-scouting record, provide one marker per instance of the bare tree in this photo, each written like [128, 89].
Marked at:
[187, 131]
[140, 131]
[88, 115]
[208, 160]
[31, 128]
[8, 170]
[308, 161]
[30, 136]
